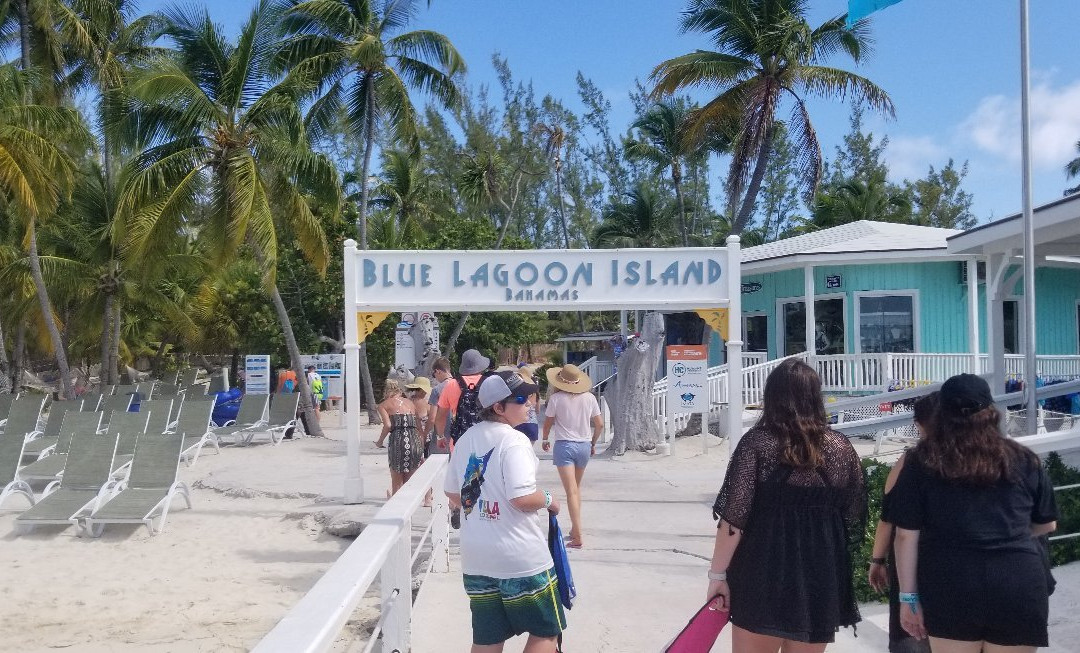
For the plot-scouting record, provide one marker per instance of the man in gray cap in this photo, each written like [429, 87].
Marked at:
[459, 400]
[459, 404]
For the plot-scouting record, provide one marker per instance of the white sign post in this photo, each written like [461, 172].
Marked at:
[257, 374]
[688, 386]
[678, 279]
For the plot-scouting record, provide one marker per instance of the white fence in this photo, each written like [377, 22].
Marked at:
[861, 373]
[384, 550]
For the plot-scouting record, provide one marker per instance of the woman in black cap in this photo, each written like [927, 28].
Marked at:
[967, 508]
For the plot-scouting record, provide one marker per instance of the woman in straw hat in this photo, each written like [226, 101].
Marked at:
[400, 425]
[572, 418]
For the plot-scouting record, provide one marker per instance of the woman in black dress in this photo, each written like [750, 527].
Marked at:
[882, 572]
[967, 508]
[792, 507]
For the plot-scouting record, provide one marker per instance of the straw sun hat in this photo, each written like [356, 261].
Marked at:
[569, 378]
[420, 383]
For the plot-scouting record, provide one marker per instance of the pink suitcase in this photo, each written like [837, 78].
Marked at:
[701, 632]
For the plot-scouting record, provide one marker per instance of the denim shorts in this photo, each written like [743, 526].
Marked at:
[571, 452]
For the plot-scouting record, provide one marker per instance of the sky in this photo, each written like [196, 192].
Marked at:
[952, 68]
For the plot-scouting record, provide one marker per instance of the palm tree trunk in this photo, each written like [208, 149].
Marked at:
[114, 351]
[562, 204]
[676, 180]
[24, 34]
[106, 339]
[451, 342]
[750, 199]
[18, 357]
[50, 320]
[361, 227]
[311, 420]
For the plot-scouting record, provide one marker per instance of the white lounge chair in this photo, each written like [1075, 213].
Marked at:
[282, 418]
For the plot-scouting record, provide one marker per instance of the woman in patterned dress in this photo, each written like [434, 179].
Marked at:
[406, 447]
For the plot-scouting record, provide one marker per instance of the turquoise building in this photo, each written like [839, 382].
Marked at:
[918, 294]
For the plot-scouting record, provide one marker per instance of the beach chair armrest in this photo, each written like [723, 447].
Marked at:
[50, 488]
[33, 435]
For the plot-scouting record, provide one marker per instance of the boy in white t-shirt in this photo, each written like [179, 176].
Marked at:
[505, 560]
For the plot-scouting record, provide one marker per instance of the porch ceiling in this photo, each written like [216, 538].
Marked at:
[1057, 234]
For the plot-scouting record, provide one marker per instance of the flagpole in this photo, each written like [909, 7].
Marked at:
[1030, 366]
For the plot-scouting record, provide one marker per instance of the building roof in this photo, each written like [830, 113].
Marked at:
[863, 241]
[588, 336]
[1057, 234]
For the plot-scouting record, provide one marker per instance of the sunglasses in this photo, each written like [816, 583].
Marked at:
[519, 399]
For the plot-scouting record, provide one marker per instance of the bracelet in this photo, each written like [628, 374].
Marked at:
[878, 561]
[717, 575]
[547, 499]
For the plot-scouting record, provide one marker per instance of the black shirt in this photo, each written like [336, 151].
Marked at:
[988, 518]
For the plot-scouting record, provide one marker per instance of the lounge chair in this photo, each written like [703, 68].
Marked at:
[149, 489]
[170, 378]
[116, 404]
[40, 443]
[145, 389]
[5, 406]
[51, 467]
[194, 423]
[189, 376]
[160, 411]
[85, 484]
[126, 389]
[91, 401]
[251, 415]
[282, 418]
[165, 390]
[24, 415]
[127, 427]
[11, 446]
[107, 390]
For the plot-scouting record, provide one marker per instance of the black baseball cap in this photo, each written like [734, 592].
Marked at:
[518, 386]
[967, 393]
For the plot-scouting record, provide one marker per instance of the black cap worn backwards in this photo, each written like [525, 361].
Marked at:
[967, 393]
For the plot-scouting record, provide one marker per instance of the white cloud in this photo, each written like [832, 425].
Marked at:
[910, 157]
[994, 125]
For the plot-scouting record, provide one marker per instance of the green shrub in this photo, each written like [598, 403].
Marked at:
[1061, 552]
[1068, 504]
[876, 473]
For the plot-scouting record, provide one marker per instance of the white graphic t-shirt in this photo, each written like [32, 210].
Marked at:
[491, 464]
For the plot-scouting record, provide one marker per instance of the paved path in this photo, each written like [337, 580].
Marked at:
[649, 534]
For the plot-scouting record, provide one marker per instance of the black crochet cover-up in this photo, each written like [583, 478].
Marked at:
[791, 574]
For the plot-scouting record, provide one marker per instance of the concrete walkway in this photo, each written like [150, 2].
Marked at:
[642, 574]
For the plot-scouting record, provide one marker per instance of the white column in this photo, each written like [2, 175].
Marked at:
[973, 312]
[811, 319]
[354, 484]
[623, 330]
[997, 266]
[734, 343]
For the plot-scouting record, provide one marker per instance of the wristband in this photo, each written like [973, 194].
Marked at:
[878, 561]
[547, 499]
[717, 575]
[912, 599]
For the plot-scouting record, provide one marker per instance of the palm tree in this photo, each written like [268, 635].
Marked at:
[554, 139]
[364, 63]
[767, 52]
[859, 199]
[216, 125]
[1072, 170]
[663, 140]
[35, 173]
[640, 221]
[405, 193]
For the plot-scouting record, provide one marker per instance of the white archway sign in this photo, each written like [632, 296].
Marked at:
[379, 282]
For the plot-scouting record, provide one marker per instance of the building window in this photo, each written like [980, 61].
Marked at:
[887, 324]
[829, 320]
[1011, 326]
[756, 333]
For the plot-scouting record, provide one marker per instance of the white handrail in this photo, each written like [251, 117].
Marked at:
[384, 550]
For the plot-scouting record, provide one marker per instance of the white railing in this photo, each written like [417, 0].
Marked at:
[383, 550]
[597, 369]
[754, 378]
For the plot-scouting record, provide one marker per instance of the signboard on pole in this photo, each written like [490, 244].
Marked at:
[257, 374]
[688, 378]
[331, 367]
[404, 346]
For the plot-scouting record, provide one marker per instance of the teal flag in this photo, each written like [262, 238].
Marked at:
[859, 9]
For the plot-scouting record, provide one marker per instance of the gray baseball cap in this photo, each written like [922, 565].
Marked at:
[472, 362]
[493, 389]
